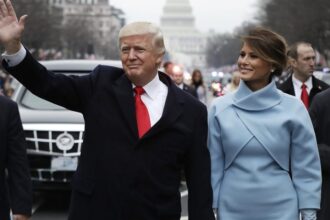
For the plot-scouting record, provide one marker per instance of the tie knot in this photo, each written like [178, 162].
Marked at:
[303, 86]
[139, 90]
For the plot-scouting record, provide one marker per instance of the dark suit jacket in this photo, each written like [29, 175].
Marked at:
[319, 112]
[119, 176]
[318, 86]
[190, 90]
[15, 183]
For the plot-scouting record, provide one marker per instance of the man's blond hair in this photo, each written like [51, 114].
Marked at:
[144, 28]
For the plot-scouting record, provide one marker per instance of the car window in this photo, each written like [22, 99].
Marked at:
[32, 101]
[326, 78]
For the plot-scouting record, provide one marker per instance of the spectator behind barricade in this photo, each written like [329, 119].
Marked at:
[197, 83]
[178, 78]
[168, 68]
[9, 92]
[234, 83]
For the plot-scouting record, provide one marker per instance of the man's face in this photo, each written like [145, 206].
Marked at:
[169, 70]
[177, 76]
[303, 66]
[139, 58]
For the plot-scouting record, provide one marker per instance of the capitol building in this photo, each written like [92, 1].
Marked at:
[184, 43]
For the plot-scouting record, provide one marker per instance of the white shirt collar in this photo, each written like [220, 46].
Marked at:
[298, 83]
[180, 85]
[151, 89]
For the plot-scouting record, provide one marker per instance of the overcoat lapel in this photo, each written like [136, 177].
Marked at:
[288, 86]
[123, 91]
[317, 87]
[172, 110]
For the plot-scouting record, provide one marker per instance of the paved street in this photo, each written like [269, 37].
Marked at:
[51, 206]
[54, 206]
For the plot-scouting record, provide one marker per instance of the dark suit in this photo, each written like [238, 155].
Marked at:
[319, 112]
[15, 183]
[119, 176]
[318, 86]
[190, 90]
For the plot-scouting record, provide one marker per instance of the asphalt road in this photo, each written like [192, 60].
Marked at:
[54, 206]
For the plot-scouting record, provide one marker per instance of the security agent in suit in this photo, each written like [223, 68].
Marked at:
[302, 61]
[319, 112]
[15, 183]
[120, 175]
[177, 76]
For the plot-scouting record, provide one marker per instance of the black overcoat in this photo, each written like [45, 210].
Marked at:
[320, 112]
[15, 182]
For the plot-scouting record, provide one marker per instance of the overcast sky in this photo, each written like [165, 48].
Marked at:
[219, 15]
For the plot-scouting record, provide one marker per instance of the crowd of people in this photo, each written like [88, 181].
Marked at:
[252, 155]
[6, 88]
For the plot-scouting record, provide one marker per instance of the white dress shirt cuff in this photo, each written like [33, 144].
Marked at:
[308, 214]
[14, 59]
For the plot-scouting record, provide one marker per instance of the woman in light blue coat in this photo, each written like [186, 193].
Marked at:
[265, 162]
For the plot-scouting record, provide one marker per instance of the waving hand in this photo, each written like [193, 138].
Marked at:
[11, 28]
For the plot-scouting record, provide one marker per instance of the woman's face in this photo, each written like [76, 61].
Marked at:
[254, 71]
[197, 76]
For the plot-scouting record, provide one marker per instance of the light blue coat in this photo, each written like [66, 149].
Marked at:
[265, 162]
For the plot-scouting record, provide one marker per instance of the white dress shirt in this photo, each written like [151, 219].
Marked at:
[155, 91]
[154, 98]
[297, 86]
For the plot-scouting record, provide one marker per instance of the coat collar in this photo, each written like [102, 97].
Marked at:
[318, 85]
[262, 99]
[287, 86]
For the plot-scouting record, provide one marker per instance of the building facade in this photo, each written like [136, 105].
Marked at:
[184, 43]
[97, 19]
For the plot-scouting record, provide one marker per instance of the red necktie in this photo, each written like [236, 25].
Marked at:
[304, 95]
[142, 114]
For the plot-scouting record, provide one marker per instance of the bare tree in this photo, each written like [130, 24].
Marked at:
[42, 25]
[77, 37]
[299, 20]
[110, 49]
[223, 49]
[296, 20]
